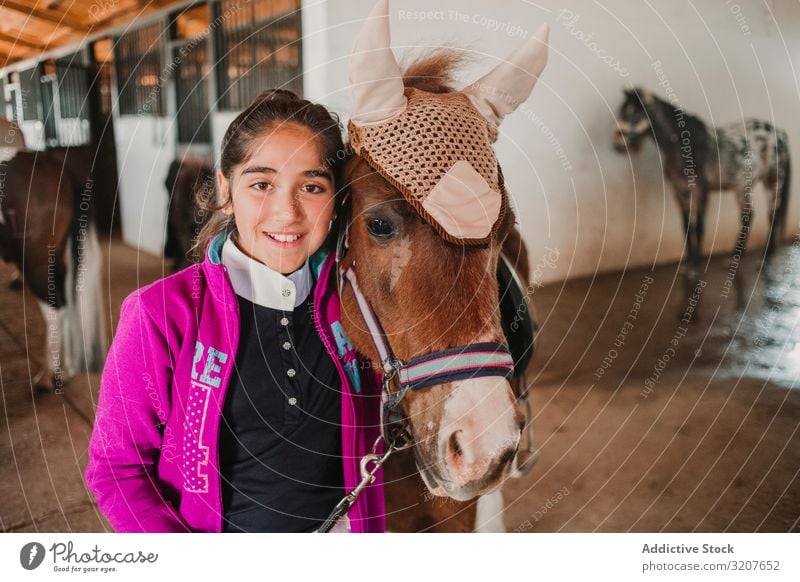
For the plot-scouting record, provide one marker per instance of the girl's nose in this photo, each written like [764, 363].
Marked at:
[284, 206]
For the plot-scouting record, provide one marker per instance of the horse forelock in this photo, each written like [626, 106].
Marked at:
[434, 72]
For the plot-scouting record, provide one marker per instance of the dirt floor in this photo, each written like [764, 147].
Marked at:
[662, 403]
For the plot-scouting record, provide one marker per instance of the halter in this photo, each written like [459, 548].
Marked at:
[476, 360]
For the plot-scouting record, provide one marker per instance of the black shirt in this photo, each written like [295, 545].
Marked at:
[280, 439]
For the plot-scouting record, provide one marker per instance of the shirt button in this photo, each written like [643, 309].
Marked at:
[292, 400]
[286, 345]
[284, 321]
[290, 372]
[286, 292]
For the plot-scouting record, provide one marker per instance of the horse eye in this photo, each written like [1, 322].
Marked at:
[380, 227]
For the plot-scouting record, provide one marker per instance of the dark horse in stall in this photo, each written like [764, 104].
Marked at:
[187, 181]
[432, 294]
[698, 159]
[47, 230]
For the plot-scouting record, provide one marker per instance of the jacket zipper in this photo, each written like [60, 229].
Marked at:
[343, 375]
[221, 403]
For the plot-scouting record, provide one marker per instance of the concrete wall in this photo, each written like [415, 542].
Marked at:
[599, 210]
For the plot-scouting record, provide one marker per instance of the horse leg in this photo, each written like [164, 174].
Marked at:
[688, 238]
[745, 199]
[693, 206]
[775, 187]
[700, 224]
[84, 316]
[50, 377]
[489, 516]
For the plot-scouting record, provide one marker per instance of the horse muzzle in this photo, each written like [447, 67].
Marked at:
[478, 438]
[620, 142]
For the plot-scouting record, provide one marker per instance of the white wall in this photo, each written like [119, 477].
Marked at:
[600, 210]
[145, 149]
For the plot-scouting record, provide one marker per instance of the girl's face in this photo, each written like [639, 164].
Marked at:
[281, 198]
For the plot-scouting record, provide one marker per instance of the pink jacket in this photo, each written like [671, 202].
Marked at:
[153, 455]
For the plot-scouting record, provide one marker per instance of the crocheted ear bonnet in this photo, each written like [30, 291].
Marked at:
[436, 148]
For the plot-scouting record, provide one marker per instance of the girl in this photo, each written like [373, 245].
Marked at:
[230, 400]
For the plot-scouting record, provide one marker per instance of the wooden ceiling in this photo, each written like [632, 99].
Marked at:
[29, 28]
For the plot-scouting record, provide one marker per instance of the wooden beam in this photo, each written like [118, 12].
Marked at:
[14, 52]
[122, 15]
[9, 57]
[21, 41]
[50, 16]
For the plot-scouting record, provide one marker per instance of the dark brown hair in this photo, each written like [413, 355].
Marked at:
[269, 110]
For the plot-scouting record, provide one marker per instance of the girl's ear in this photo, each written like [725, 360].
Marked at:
[224, 193]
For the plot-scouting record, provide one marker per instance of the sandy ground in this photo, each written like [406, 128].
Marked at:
[673, 407]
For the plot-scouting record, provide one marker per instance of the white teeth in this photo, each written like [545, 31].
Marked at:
[285, 237]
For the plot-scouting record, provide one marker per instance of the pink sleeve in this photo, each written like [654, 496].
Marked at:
[128, 431]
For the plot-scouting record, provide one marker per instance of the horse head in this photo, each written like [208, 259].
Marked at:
[633, 121]
[427, 216]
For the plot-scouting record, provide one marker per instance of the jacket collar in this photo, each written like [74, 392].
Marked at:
[216, 271]
[263, 286]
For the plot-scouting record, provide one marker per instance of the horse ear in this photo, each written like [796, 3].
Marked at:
[375, 77]
[504, 88]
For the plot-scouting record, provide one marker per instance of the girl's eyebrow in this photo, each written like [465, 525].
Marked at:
[317, 173]
[259, 170]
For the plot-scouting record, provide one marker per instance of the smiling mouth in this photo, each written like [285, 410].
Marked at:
[285, 238]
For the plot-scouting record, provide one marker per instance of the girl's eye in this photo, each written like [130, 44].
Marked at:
[261, 185]
[313, 188]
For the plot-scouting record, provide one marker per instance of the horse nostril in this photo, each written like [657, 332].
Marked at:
[454, 444]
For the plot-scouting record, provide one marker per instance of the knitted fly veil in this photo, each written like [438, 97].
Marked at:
[436, 148]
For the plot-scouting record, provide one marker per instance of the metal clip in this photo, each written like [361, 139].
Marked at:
[367, 477]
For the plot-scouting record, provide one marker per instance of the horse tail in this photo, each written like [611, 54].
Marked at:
[784, 186]
[85, 341]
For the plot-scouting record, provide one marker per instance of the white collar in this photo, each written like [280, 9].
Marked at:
[263, 286]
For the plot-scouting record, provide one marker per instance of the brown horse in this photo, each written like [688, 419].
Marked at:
[47, 231]
[186, 180]
[431, 293]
